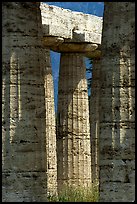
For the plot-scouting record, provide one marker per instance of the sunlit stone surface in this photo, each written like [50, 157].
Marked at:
[117, 104]
[50, 128]
[73, 133]
[24, 166]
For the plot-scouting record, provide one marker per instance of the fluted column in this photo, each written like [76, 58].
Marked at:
[117, 104]
[24, 164]
[94, 119]
[50, 128]
[73, 134]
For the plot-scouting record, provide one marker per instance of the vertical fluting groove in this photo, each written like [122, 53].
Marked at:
[94, 119]
[73, 89]
[23, 137]
[117, 86]
[76, 170]
[71, 74]
[73, 124]
[70, 115]
[50, 128]
[84, 88]
[69, 110]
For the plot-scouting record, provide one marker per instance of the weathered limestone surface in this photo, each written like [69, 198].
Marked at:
[50, 128]
[24, 166]
[73, 133]
[71, 25]
[80, 47]
[68, 31]
[117, 104]
[94, 119]
[28, 118]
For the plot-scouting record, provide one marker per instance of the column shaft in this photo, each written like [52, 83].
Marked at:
[23, 98]
[117, 104]
[73, 134]
[94, 120]
[50, 128]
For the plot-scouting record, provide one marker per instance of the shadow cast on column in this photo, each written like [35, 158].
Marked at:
[117, 122]
[24, 138]
[73, 120]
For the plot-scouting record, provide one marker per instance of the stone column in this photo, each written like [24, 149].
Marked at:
[117, 104]
[50, 128]
[94, 119]
[73, 134]
[24, 166]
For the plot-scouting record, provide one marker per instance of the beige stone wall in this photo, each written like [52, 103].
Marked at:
[73, 134]
[24, 164]
[50, 128]
[117, 104]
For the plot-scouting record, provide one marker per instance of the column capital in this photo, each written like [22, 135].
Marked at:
[59, 44]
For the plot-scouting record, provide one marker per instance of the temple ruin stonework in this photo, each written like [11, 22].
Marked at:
[24, 156]
[73, 131]
[50, 128]
[117, 104]
[86, 145]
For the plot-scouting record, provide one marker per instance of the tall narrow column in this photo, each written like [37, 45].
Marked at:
[73, 134]
[117, 104]
[94, 120]
[50, 128]
[24, 166]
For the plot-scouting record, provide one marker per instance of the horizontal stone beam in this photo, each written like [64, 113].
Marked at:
[70, 25]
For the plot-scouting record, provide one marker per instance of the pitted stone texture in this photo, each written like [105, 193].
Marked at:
[70, 25]
[25, 188]
[117, 104]
[23, 104]
[73, 131]
[94, 119]
[56, 45]
[50, 128]
[63, 32]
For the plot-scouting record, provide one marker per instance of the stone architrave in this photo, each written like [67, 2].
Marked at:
[24, 167]
[72, 26]
[117, 104]
[73, 129]
[50, 128]
[94, 120]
